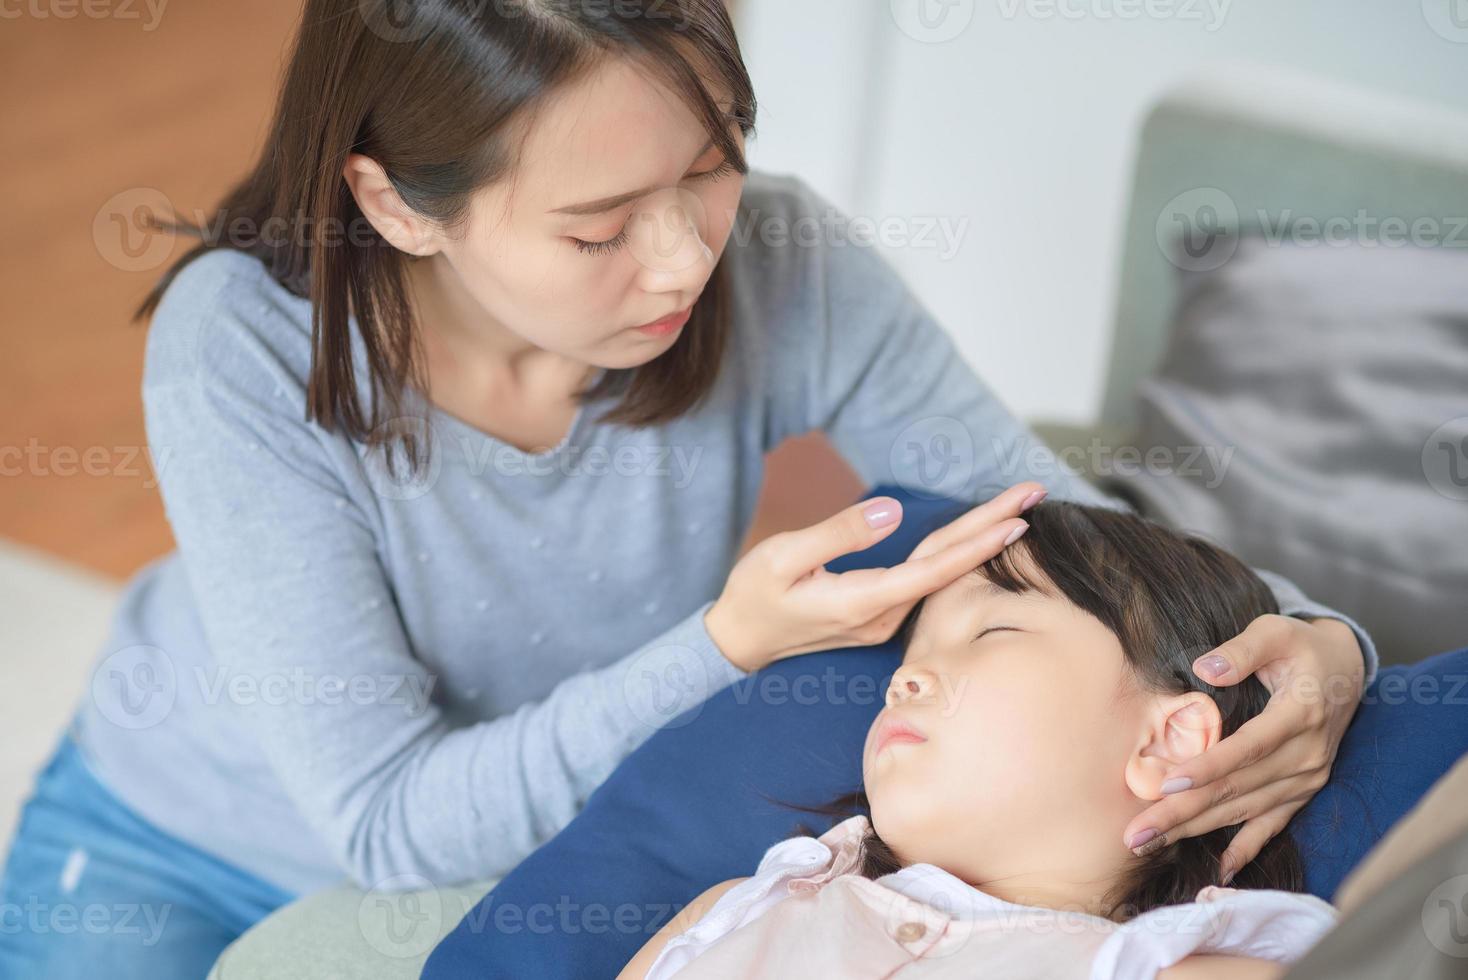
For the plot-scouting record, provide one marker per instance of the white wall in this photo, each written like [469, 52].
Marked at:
[1023, 124]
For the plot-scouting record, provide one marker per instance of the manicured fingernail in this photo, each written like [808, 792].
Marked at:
[881, 513]
[1155, 844]
[1033, 499]
[1141, 837]
[1227, 873]
[1213, 665]
[1177, 784]
[1016, 534]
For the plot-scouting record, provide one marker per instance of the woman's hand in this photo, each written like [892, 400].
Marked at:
[1263, 773]
[780, 601]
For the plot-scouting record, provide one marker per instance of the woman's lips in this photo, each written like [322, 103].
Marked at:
[667, 325]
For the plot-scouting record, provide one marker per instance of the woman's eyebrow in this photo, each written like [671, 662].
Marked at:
[605, 204]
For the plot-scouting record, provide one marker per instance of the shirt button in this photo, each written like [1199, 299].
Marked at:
[911, 931]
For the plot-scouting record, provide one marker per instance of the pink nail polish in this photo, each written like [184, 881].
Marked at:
[1016, 534]
[1141, 837]
[1033, 499]
[1177, 784]
[1213, 665]
[881, 513]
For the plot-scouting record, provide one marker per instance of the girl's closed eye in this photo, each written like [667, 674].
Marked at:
[725, 169]
[995, 629]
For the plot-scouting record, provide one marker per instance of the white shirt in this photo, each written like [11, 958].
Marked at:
[1020, 940]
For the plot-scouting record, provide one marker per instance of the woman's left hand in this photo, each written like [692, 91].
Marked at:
[1263, 773]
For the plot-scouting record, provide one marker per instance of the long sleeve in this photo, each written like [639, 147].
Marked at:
[879, 375]
[288, 582]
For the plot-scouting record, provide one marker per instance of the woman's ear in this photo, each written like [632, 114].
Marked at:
[1175, 728]
[379, 202]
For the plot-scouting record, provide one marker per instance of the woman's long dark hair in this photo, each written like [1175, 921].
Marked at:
[438, 92]
[1168, 598]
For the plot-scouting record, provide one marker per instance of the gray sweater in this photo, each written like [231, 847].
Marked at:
[340, 671]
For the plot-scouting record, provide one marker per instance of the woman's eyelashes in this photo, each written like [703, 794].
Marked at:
[601, 248]
[994, 629]
[724, 169]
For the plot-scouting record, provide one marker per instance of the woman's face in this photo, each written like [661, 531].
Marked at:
[616, 215]
[1028, 735]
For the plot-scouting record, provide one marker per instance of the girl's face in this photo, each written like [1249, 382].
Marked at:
[615, 216]
[1037, 751]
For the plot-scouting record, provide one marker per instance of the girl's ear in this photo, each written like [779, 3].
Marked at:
[1174, 729]
[380, 204]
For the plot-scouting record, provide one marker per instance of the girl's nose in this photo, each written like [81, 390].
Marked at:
[909, 683]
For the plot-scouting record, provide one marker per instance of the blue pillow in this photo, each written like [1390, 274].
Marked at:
[693, 805]
[1410, 729]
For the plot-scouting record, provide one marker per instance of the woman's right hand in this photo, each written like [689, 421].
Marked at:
[780, 601]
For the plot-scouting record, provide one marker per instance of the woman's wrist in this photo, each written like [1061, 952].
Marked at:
[1346, 659]
[732, 642]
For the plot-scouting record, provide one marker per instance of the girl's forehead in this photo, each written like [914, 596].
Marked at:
[975, 587]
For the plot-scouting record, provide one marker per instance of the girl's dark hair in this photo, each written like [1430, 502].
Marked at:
[1168, 598]
[438, 93]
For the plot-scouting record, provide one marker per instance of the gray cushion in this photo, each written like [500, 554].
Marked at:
[1311, 414]
[346, 932]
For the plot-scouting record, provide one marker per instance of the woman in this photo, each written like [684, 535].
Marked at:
[459, 427]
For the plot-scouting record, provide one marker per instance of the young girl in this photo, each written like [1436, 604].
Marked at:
[1041, 704]
[460, 409]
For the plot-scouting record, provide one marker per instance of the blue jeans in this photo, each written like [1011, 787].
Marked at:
[91, 890]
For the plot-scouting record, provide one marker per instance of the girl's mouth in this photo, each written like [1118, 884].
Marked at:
[892, 730]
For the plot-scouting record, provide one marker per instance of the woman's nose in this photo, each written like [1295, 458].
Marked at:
[666, 236]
